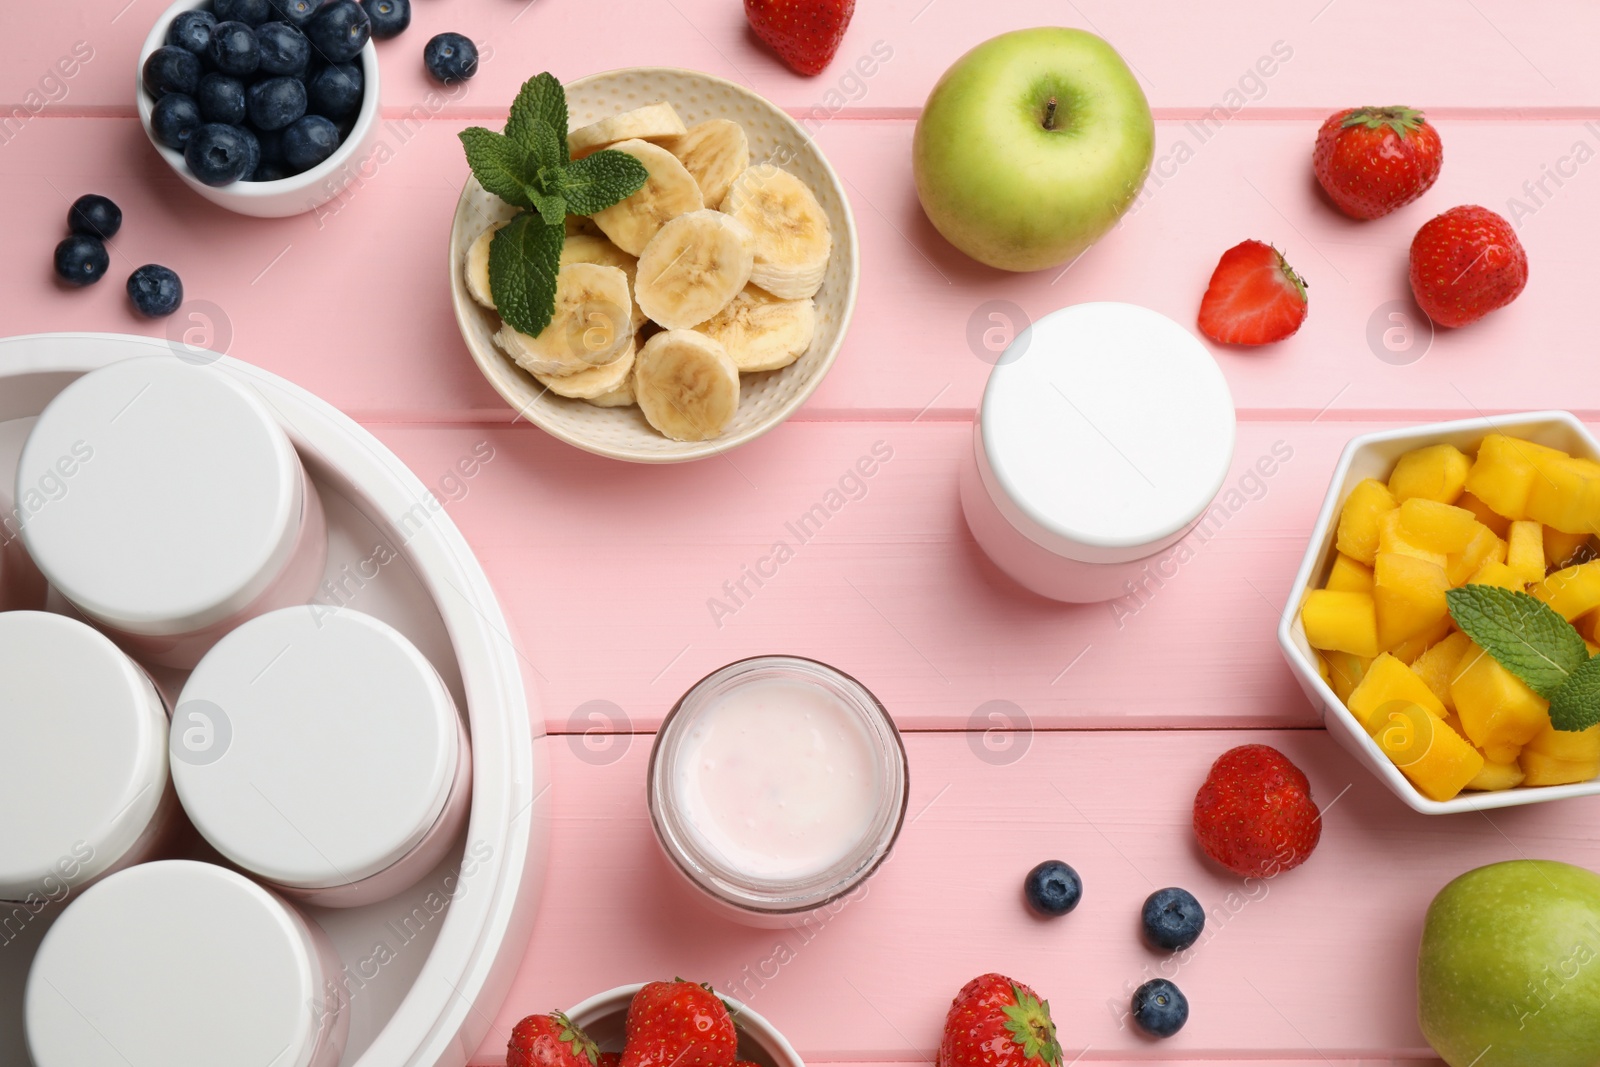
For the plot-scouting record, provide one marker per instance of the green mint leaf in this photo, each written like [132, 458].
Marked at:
[497, 163]
[541, 102]
[553, 210]
[597, 181]
[546, 150]
[523, 260]
[1576, 705]
[1522, 633]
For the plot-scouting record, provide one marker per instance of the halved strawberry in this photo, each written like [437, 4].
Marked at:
[1254, 298]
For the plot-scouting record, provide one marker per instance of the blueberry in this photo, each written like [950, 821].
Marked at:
[296, 12]
[268, 172]
[221, 99]
[284, 49]
[249, 12]
[81, 260]
[1173, 919]
[234, 49]
[155, 290]
[174, 118]
[1052, 888]
[276, 102]
[95, 215]
[450, 57]
[1159, 1008]
[252, 152]
[389, 17]
[218, 154]
[340, 30]
[271, 144]
[170, 69]
[334, 92]
[308, 142]
[191, 31]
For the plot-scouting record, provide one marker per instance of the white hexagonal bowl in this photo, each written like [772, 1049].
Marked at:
[1373, 455]
[766, 399]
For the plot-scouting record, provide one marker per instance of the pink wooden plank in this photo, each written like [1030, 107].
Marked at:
[352, 301]
[1491, 54]
[1315, 964]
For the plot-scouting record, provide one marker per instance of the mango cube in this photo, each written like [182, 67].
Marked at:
[1497, 574]
[1502, 475]
[1349, 576]
[1345, 672]
[1363, 509]
[1434, 757]
[1572, 591]
[1485, 514]
[1393, 537]
[1437, 527]
[1579, 746]
[1341, 622]
[1438, 665]
[1525, 550]
[1437, 472]
[1408, 594]
[1566, 494]
[1497, 776]
[1560, 548]
[1499, 713]
[1390, 684]
[1412, 648]
[1548, 770]
[1483, 547]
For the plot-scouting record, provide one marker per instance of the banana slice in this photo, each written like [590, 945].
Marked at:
[762, 332]
[653, 120]
[582, 225]
[592, 324]
[620, 397]
[594, 382]
[686, 385]
[693, 267]
[477, 269]
[715, 152]
[793, 242]
[670, 191]
[581, 248]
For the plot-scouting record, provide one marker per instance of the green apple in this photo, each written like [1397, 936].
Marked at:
[1509, 970]
[1032, 146]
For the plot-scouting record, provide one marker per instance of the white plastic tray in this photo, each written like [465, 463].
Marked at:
[430, 967]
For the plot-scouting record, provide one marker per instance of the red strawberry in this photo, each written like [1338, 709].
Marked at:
[679, 1024]
[804, 33]
[997, 1022]
[1255, 297]
[1464, 264]
[1254, 813]
[1371, 160]
[610, 1059]
[550, 1041]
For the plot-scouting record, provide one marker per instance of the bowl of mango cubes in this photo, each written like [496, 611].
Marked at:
[1374, 631]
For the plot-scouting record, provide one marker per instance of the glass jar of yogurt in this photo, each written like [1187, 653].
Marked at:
[777, 786]
[183, 508]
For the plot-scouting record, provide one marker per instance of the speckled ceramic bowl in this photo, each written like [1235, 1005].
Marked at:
[765, 399]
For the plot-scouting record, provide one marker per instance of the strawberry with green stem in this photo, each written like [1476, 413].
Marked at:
[998, 1022]
[679, 1024]
[550, 1041]
[1372, 160]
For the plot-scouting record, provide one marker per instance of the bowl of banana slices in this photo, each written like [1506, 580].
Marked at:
[698, 313]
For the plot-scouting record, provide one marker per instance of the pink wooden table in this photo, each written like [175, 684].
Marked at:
[608, 570]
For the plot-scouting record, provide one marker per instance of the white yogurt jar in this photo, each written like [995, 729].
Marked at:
[83, 760]
[1105, 432]
[320, 751]
[188, 511]
[21, 585]
[182, 963]
[777, 786]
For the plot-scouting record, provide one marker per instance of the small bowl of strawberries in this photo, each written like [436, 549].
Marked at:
[651, 1024]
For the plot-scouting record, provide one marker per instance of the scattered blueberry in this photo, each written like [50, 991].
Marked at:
[174, 117]
[221, 99]
[249, 12]
[170, 69]
[1173, 919]
[191, 31]
[309, 142]
[81, 260]
[95, 215]
[218, 154]
[1052, 888]
[296, 12]
[284, 50]
[276, 102]
[155, 290]
[335, 92]
[340, 30]
[234, 49]
[1159, 1008]
[450, 57]
[389, 17]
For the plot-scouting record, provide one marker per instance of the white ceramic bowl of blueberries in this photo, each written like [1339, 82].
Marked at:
[264, 107]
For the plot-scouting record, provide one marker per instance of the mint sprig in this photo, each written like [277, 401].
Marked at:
[1532, 641]
[528, 166]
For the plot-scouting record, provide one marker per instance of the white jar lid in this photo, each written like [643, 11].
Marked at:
[314, 746]
[83, 753]
[167, 496]
[175, 962]
[1106, 430]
